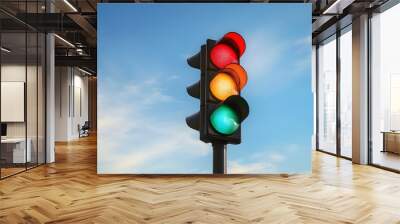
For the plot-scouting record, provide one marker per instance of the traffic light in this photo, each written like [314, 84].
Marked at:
[222, 109]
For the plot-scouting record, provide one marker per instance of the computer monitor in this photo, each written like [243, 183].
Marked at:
[3, 129]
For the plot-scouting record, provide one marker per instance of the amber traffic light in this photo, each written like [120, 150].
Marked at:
[228, 81]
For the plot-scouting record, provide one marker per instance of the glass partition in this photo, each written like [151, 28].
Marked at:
[13, 109]
[32, 95]
[41, 109]
[22, 101]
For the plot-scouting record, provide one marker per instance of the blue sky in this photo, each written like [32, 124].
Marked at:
[143, 75]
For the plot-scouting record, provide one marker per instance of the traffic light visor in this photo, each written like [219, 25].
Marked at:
[235, 40]
[238, 73]
[194, 61]
[239, 105]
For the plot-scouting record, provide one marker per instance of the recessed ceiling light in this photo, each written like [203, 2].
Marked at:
[338, 6]
[5, 50]
[70, 5]
[64, 40]
[84, 71]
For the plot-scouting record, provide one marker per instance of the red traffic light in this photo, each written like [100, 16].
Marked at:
[222, 55]
[228, 50]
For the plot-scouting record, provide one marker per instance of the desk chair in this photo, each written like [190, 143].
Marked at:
[84, 130]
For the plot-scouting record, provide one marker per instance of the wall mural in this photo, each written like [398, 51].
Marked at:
[204, 88]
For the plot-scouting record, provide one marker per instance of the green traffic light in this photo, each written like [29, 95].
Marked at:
[224, 120]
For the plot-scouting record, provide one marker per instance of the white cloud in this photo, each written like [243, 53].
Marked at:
[276, 157]
[263, 50]
[173, 77]
[304, 41]
[158, 146]
[268, 160]
[298, 46]
[267, 63]
[131, 140]
[301, 64]
[236, 167]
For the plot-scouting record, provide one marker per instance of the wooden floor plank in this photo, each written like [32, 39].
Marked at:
[70, 191]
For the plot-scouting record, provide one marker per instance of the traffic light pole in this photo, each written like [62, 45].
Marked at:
[219, 158]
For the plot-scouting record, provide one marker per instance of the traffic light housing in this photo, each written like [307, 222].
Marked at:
[222, 78]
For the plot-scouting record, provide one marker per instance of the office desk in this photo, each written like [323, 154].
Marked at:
[15, 148]
[391, 141]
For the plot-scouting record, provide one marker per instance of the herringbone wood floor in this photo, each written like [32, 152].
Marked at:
[69, 191]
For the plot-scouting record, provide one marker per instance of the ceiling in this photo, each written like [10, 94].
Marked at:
[75, 21]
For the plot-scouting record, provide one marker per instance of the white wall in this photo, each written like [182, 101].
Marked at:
[33, 126]
[71, 102]
[62, 81]
[14, 72]
[80, 109]
[17, 73]
[12, 101]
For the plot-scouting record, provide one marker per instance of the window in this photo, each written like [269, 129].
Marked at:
[346, 92]
[385, 89]
[327, 95]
